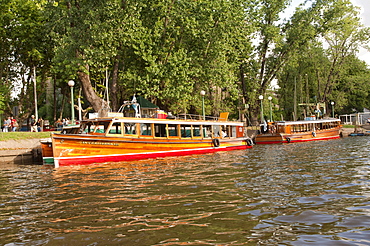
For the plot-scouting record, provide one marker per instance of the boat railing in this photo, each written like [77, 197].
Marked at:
[195, 117]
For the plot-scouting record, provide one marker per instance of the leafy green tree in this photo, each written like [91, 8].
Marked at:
[165, 50]
[25, 47]
[278, 40]
[352, 91]
[344, 34]
[320, 67]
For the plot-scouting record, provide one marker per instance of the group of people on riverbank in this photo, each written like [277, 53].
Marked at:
[10, 124]
[36, 125]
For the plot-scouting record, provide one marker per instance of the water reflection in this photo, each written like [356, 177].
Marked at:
[295, 194]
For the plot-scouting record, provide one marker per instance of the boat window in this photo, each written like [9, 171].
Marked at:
[233, 131]
[115, 128]
[196, 131]
[101, 127]
[145, 129]
[160, 130]
[216, 131]
[207, 131]
[224, 132]
[130, 129]
[280, 129]
[86, 127]
[172, 131]
[185, 131]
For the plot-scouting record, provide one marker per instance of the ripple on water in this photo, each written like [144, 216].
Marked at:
[307, 217]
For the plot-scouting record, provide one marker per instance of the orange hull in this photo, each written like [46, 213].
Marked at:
[72, 149]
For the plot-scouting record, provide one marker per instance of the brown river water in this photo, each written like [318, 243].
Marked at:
[314, 193]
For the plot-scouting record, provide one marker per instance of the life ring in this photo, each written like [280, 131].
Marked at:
[216, 142]
[314, 134]
[249, 142]
[288, 139]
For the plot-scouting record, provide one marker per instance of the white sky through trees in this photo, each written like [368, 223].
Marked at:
[364, 15]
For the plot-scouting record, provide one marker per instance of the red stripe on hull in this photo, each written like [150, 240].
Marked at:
[116, 158]
[298, 140]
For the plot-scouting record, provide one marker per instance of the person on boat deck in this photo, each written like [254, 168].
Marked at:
[368, 120]
[224, 134]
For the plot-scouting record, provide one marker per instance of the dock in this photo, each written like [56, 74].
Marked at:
[26, 151]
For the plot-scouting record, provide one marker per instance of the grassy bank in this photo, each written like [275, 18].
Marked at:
[4, 136]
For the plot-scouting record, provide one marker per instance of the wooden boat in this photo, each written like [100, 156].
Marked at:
[299, 131]
[110, 139]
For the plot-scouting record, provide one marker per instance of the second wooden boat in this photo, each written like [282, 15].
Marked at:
[299, 131]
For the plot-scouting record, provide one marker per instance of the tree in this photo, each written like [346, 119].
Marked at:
[277, 42]
[25, 47]
[165, 50]
[344, 34]
[321, 66]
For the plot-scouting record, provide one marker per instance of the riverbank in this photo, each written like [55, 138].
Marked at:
[21, 151]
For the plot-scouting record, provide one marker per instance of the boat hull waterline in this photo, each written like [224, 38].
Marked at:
[85, 160]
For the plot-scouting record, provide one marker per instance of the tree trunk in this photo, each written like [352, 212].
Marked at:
[61, 111]
[97, 103]
[54, 99]
[114, 85]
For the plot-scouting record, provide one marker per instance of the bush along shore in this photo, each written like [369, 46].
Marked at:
[21, 147]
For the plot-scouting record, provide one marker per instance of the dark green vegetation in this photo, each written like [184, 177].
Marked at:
[169, 50]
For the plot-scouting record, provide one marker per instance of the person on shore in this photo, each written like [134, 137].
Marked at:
[14, 124]
[33, 124]
[58, 124]
[5, 125]
[40, 125]
[8, 124]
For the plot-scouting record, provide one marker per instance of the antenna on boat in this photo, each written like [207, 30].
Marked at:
[136, 107]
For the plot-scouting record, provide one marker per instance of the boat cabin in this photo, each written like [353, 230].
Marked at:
[159, 128]
[303, 126]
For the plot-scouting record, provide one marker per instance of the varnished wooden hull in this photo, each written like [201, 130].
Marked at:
[47, 151]
[277, 138]
[86, 149]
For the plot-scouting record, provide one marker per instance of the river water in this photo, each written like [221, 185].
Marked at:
[314, 193]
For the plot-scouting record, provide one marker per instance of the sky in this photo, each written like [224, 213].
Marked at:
[364, 15]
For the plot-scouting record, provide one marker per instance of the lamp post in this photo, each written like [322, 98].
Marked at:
[202, 93]
[270, 98]
[261, 98]
[71, 83]
[332, 108]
